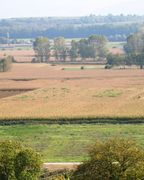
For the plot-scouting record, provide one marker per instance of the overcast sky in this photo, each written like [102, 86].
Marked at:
[37, 8]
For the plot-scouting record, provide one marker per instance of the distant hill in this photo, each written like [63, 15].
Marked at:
[115, 28]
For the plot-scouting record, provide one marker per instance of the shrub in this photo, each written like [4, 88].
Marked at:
[82, 67]
[108, 66]
[6, 64]
[116, 159]
[56, 175]
[18, 163]
[109, 93]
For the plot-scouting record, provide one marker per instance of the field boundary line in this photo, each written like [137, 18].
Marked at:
[67, 121]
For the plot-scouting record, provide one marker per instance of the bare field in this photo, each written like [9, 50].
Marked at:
[19, 55]
[116, 51]
[72, 93]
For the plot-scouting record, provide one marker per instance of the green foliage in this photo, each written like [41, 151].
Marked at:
[93, 47]
[18, 163]
[82, 67]
[74, 50]
[6, 63]
[115, 159]
[109, 93]
[56, 175]
[108, 66]
[135, 43]
[8, 152]
[115, 60]
[99, 45]
[27, 165]
[85, 50]
[139, 60]
[41, 47]
[60, 49]
[135, 48]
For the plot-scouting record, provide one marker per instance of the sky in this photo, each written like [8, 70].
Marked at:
[49, 8]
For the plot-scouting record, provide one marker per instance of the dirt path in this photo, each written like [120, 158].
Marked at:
[61, 166]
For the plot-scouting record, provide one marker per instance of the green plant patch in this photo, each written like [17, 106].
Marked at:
[25, 97]
[73, 69]
[109, 93]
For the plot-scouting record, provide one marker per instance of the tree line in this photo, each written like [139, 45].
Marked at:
[93, 47]
[115, 28]
[113, 32]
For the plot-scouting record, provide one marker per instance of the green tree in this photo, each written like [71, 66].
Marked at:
[65, 53]
[8, 152]
[135, 48]
[42, 49]
[135, 43]
[85, 49]
[94, 47]
[74, 50]
[99, 45]
[116, 60]
[27, 165]
[115, 159]
[60, 50]
[18, 163]
[6, 63]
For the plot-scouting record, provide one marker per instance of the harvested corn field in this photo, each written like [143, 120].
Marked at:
[92, 92]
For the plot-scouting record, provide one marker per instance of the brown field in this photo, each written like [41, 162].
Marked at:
[19, 55]
[71, 93]
[116, 51]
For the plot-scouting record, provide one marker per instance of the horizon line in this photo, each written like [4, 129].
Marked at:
[103, 15]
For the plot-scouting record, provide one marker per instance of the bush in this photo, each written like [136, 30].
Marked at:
[6, 63]
[116, 60]
[56, 175]
[82, 67]
[18, 163]
[108, 66]
[116, 159]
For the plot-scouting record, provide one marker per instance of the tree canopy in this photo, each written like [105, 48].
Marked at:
[17, 162]
[93, 47]
[41, 47]
[6, 63]
[135, 48]
[60, 50]
[115, 159]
